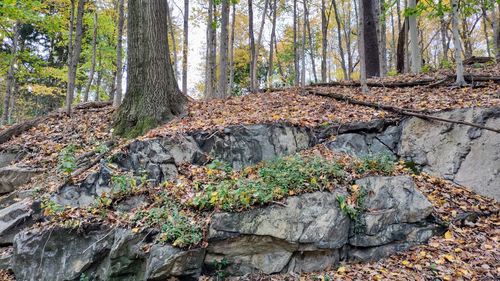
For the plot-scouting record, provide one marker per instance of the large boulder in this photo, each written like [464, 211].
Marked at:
[466, 155]
[13, 219]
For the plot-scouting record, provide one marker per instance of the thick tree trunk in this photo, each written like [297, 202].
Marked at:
[371, 48]
[75, 55]
[362, 47]
[224, 40]
[416, 58]
[11, 75]
[185, 47]
[92, 66]
[339, 40]
[117, 100]
[253, 54]
[153, 96]
[457, 45]
[231, 50]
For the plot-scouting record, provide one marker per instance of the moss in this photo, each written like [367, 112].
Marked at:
[129, 130]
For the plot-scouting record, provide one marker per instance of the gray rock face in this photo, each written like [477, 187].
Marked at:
[466, 155]
[98, 253]
[12, 177]
[311, 231]
[13, 218]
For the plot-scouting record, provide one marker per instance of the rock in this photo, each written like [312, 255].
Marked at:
[13, 219]
[98, 253]
[8, 158]
[12, 177]
[241, 146]
[464, 154]
[266, 239]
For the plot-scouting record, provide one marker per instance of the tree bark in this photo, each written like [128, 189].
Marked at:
[172, 37]
[324, 40]
[382, 23]
[303, 47]
[231, 50]
[117, 100]
[75, 55]
[185, 47]
[94, 54]
[253, 54]
[224, 40]
[416, 59]
[153, 96]
[11, 74]
[371, 48]
[270, 70]
[210, 78]
[362, 47]
[457, 45]
[311, 43]
[295, 49]
[444, 33]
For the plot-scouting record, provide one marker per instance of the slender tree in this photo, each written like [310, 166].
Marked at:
[295, 46]
[11, 77]
[231, 49]
[185, 47]
[416, 59]
[93, 62]
[362, 47]
[119, 54]
[371, 48]
[253, 53]
[324, 39]
[74, 53]
[270, 70]
[457, 45]
[224, 41]
[339, 40]
[211, 63]
[153, 96]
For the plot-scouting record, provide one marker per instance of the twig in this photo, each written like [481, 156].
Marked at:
[401, 111]
[98, 241]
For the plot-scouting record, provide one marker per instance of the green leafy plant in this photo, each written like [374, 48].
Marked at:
[67, 159]
[220, 267]
[376, 163]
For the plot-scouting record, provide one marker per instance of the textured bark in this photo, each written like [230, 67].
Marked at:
[76, 50]
[295, 49]
[11, 75]
[185, 47]
[484, 16]
[371, 48]
[153, 96]
[210, 71]
[310, 39]
[401, 50]
[324, 40]
[416, 56]
[253, 54]
[92, 66]
[172, 37]
[231, 50]
[303, 48]
[362, 46]
[224, 40]
[270, 70]
[382, 38]
[457, 45]
[444, 35]
[117, 100]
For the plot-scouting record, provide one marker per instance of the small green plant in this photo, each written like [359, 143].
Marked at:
[446, 64]
[175, 226]
[392, 73]
[51, 208]
[426, 69]
[384, 163]
[84, 277]
[348, 210]
[220, 165]
[220, 267]
[67, 159]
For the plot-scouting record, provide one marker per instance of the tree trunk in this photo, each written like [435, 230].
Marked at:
[270, 70]
[11, 75]
[172, 37]
[185, 47]
[456, 42]
[361, 45]
[416, 59]
[324, 40]
[253, 54]
[339, 40]
[119, 55]
[371, 48]
[211, 66]
[311, 43]
[295, 49]
[383, 38]
[94, 54]
[484, 16]
[153, 96]
[303, 49]
[224, 40]
[444, 33]
[231, 50]
[75, 55]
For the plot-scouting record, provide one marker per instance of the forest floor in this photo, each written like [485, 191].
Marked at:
[468, 251]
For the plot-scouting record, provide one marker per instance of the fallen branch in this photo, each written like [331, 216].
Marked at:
[401, 111]
[76, 173]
